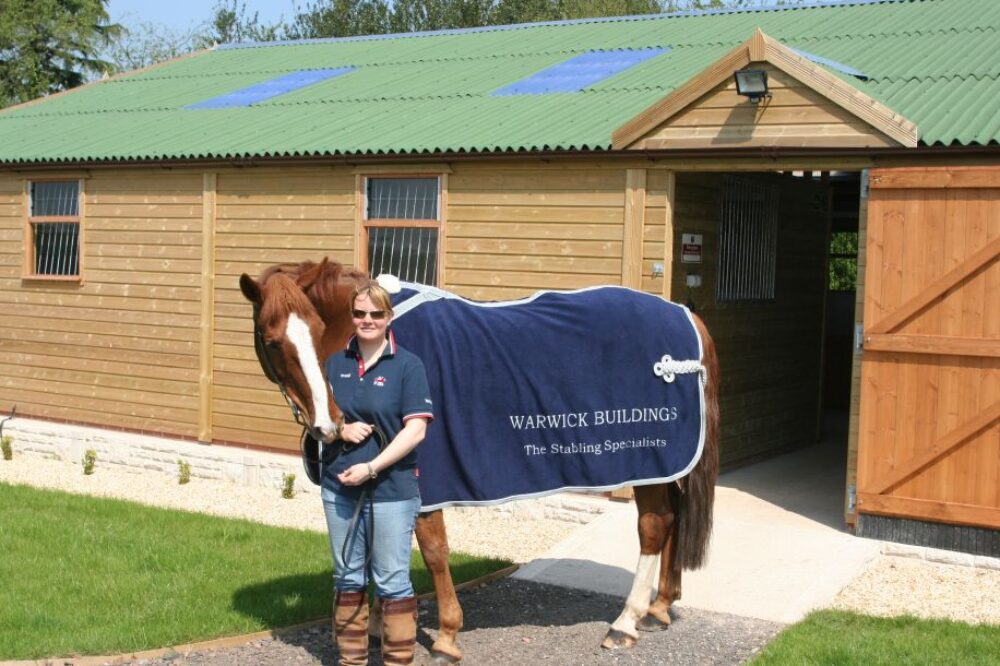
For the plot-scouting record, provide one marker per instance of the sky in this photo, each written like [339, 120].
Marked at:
[183, 14]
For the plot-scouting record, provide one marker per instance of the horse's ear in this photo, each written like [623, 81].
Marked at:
[250, 288]
[310, 275]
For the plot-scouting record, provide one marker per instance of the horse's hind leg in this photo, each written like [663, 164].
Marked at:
[668, 589]
[433, 541]
[655, 524]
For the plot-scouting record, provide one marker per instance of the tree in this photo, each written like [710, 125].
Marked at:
[51, 45]
[232, 23]
[145, 43]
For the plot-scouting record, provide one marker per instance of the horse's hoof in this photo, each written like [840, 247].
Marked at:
[443, 659]
[651, 623]
[617, 640]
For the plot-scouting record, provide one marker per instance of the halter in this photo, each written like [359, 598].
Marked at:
[260, 348]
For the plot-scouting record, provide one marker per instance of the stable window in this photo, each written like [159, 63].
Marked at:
[402, 224]
[748, 233]
[54, 229]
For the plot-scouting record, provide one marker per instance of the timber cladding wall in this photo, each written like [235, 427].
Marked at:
[263, 217]
[514, 229]
[120, 348]
[157, 337]
[769, 352]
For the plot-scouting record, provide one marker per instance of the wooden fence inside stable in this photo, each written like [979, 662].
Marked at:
[930, 397]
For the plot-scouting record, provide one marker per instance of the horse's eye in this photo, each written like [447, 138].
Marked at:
[272, 344]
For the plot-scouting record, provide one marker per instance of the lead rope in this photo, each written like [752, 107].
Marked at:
[366, 493]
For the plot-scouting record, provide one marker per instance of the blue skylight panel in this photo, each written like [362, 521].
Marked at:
[832, 64]
[579, 72]
[270, 89]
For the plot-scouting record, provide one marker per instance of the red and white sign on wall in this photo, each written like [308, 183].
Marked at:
[691, 248]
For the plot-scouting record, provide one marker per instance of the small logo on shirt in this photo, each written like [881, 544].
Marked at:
[428, 401]
[345, 375]
[379, 381]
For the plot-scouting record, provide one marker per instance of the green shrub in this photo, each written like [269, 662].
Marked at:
[288, 486]
[89, 459]
[5, 444]
[183, 472]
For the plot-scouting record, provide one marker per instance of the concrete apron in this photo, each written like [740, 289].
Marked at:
[765, 561]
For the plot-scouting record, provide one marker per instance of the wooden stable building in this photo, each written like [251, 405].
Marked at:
[129, 207]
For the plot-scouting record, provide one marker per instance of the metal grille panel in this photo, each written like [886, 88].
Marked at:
[409, 253]
[55, 199]
[57, 248]
[748, 233]
[402, 198]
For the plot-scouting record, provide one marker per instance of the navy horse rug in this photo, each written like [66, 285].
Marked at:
[590, 389]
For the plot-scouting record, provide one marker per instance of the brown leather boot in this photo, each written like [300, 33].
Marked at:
[399, 631]
[350, 627]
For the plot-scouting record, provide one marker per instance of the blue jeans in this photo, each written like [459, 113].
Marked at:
[391, 544]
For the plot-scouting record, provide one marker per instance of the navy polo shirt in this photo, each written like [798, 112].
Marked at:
[387, 394]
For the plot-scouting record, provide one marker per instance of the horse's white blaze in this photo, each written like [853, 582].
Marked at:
[638, 599]
[298, 334]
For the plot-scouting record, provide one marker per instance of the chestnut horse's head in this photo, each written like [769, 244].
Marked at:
[288, 339]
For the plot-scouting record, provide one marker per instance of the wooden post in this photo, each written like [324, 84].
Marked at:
[853, 428]
[635, 217]
[207, 332]
[668, 237]
[635, 211]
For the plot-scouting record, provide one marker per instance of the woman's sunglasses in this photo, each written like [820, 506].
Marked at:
[377, 315]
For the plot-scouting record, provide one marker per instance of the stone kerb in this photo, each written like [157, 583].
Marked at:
[139, 453]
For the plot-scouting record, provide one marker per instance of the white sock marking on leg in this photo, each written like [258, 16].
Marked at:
[638, 599]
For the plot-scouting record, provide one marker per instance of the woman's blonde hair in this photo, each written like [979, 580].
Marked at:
[373, 290]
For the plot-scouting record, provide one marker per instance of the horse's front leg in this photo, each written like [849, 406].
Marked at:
[433, 542]
[655, 521]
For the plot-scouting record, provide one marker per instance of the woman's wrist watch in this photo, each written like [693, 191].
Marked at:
[372, 474]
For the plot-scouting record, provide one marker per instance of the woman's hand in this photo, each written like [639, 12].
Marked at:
[355, 433]
[354, 475]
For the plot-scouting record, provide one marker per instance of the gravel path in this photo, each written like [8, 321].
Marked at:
[519, 622]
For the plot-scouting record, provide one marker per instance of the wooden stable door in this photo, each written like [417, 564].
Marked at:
[929, 440]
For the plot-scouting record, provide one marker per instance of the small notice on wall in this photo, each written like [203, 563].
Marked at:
[691, 248]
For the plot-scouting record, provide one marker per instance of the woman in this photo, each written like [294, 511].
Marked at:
[380, 387]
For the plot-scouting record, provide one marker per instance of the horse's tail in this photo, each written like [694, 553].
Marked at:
[693, 514]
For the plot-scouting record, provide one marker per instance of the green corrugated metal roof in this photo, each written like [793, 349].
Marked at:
[935, 62]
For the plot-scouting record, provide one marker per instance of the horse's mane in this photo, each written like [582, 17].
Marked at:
[281, 296]
[328, 287]
[324, 286]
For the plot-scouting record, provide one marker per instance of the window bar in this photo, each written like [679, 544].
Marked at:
[741, 250]
[392, 249]
[410, 261]
[753, 258]
[60, 249]
[372, 249]
[773, 246]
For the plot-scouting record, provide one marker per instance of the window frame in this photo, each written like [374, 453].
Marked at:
[366, 223]
[30, 220]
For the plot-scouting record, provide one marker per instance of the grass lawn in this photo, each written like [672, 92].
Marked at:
[847, 639]
[83, 575]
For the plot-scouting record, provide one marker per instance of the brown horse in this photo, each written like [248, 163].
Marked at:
[675, 519]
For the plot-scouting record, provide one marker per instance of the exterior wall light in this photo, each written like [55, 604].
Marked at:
[752, 83]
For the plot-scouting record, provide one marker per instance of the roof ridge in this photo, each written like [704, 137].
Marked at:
[815, 4]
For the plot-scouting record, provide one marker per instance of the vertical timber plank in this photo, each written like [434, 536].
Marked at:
[635, 212]
[668, 236]
[207, 331]
[360, 235]
[441, 278]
